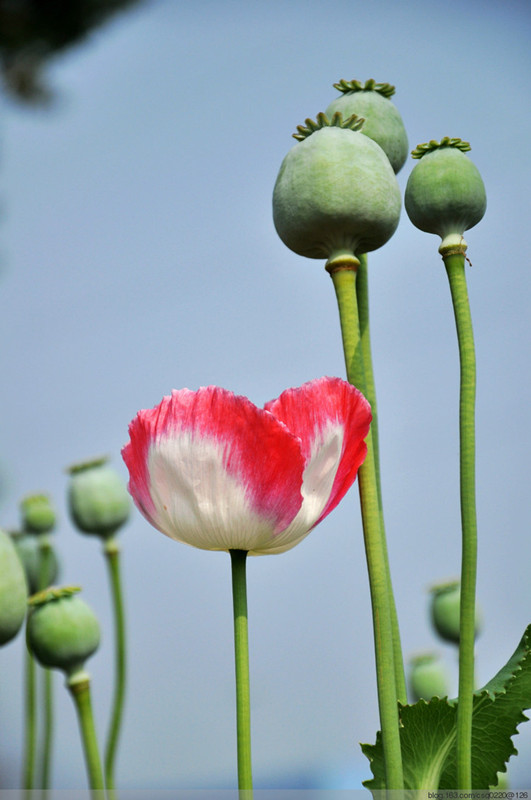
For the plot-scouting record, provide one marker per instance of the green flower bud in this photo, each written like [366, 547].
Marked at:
[98, 499]
[336, 194]
[428, 677]
[444, 610]
[38, 515]
[62, 631]
[445, 194]
[13, 590]
[383, 122]
[29, 549]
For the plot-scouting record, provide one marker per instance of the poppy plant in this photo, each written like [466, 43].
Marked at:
[210, 469]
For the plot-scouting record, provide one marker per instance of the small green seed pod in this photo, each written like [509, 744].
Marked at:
[383, 122]
[38, 515]
[445, 194]
[28, 548]
[444, 611]
[427, 677]
[13, 590]
[98, 500]
[336, 194]
[62, 631]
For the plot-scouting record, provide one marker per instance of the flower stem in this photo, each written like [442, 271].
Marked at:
[241, 655]
[362, 295]
[79, 687]
[45, 572]
[455, 268]
[111, 550]
[344, 279]
[30, 724]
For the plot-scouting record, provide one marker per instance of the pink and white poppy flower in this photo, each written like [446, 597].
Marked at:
[211, 469]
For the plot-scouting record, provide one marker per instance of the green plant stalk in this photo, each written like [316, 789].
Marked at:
[29, 722]
[45, 553]
[455, 268]
[362, 295]
[344, 279]
[111, 551]
[241, 656]
[79, 687]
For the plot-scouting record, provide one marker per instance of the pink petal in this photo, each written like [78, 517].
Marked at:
[213, 470]
[332, 419]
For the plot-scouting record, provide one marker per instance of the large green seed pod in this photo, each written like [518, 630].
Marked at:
[98, 499]
[28, 548]
[336, 194]
[38, 514]
[383, 122]
[445, 610]
[62, 631]
[428, 677]
[13, 590]
[445, 193]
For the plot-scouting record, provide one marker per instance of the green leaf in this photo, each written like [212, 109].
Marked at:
[428, 731]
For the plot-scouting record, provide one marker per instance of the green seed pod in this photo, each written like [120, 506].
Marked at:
[336, 194]
[444, 611]
[427, 677]
[383, 122]
[13, 590]
[38, 515]
[62, 631]
[29, 550]
[445, 194]
[98, 499]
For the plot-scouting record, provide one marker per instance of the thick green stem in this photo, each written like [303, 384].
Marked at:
[344, 279]
[369, 390]
[455, 268]
[79, 687]
[111, 550]
[29, 723]
[241, 655]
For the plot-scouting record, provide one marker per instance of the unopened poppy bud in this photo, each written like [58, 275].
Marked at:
[13, 590]
[445, 193]
[428, 677]
[38, 514]
[98, 499]
[445, 611]
[29, 549]
[336, 194]
[383, 123]
[62, 631]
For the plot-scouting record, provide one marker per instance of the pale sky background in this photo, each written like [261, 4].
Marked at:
[139, 255]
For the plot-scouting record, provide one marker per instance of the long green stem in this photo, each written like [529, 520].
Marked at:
[45, 572]
[455, 268]
[79, 687]
[241, 655]
[111, 550]
[29, 722]
[344, 279]
[362, 295]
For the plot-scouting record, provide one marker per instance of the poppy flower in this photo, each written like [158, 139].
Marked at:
[211, 469]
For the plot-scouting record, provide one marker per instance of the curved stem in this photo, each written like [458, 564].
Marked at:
[344, 280]
[362, 295]
[455, 268]
[111, 550]
[79, 687]
[241, 655]
[30, 725]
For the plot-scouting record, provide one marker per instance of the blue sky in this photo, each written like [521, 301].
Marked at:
[139, 255]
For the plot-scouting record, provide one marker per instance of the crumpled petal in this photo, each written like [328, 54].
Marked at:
[210, 469]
